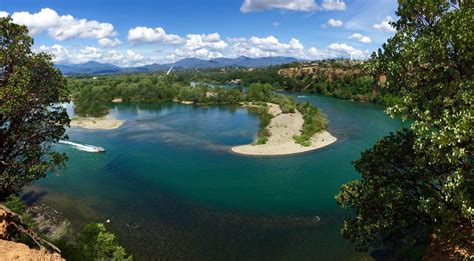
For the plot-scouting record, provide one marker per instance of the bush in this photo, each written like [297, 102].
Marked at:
[15, 204]
[287, 104]
[302, 140]
[96, 243]
[265, 119]
[314, 121]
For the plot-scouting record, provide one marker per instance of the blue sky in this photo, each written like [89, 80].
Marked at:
[130, 33]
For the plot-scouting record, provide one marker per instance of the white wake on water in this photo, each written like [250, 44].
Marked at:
[83, 147]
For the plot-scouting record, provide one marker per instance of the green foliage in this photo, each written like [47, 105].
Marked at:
[15, 204]
[96, 243]
[341, 79]
[30, 117]
[265, 119]
[92, 95]
[302, 140]
[419, 182]
[314, 121]
[386, 201]
[287, 103]
[259, 92]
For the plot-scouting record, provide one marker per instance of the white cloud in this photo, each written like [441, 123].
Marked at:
[314, 53]
[266, 46]
[336, 50]
[106, 42]
[333, 5]
[344, 50]
[37, 22]
[198, 41]
[58, 52]
[360, 38]
[204, 46]
[293, 5]
[139, 35]
[63, 27]
[81, 55]
[3, 14]
[385, 26]
[201, 53]
[333, 23]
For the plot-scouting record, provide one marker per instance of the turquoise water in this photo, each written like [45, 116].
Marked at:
[172, 190]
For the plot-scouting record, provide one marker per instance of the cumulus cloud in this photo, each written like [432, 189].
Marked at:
[3, 14]
[205, 46]
[293, 5]
[360, 38]
[106, 42]
[333, 5]
[62, 27]
[333, 23]
[385, 26]
[81, 55]
[199, 41]
[336, 50]
[345, 50]
[58, 52]
[140, 35]
[265, 46]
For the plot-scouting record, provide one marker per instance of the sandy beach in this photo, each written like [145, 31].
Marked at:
[96, 123]
[282, 128]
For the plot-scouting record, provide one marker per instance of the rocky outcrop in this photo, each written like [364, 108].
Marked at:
[10, 250]
[329, 70]
[12, 225]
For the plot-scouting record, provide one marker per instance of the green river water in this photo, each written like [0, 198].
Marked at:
[172, 189]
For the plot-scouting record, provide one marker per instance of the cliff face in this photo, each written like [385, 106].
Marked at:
[10, 250]
[331, 71]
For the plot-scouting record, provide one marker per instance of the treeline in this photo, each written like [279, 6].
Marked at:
[91, 96]
[342, 79]
[335, 78]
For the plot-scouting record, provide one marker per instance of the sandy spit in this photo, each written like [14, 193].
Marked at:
[282, 128]
[96, 123]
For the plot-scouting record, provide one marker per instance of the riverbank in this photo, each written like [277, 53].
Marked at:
[96, 123]
[283, 127]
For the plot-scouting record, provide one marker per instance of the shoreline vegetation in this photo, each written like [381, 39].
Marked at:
[95, 123]
[286, 127]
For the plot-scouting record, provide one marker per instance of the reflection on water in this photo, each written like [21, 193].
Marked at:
[172, 189]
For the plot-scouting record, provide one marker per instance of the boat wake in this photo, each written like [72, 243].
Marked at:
[83, 147]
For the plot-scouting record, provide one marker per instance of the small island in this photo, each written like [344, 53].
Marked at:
[94, 123]
[283, 128]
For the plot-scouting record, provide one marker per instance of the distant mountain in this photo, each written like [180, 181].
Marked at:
[92, 68]
[89, 68]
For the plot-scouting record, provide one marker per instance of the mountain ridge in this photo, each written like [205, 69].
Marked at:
[96, 68]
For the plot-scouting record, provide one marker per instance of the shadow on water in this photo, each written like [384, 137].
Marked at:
[31, 197]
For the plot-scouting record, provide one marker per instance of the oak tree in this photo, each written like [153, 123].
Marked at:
[31, 118]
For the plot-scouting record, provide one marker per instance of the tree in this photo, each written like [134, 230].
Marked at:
[30, 115]
[96, 243]
[419, 182]
[260, 92]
